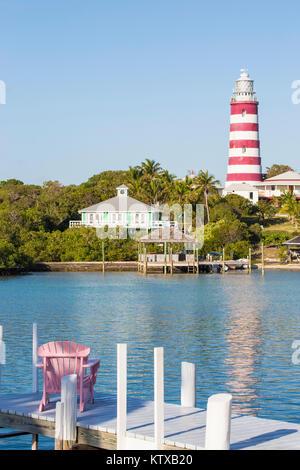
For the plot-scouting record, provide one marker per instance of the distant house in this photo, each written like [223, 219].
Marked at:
[121, 211]
[288, 181]
[270, 187]
[242, 189]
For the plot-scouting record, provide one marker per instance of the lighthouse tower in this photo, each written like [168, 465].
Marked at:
[244, 163]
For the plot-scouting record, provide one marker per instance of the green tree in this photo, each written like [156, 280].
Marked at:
[206, 183]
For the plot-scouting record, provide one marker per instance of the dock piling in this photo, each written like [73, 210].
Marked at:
[35, 345]
[66, 414]
[103, 259]
[262, 260]
[188, 384]
[158, 397]
[121, 394]
[218, 417]
[249, 262]
[2, 350]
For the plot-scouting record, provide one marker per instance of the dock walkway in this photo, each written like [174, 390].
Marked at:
[184, 427]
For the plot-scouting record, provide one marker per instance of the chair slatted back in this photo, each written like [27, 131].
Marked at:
[62, 358]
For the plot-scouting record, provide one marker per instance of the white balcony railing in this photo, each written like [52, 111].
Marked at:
[155, 224]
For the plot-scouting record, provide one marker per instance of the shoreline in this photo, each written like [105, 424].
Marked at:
[112, 266]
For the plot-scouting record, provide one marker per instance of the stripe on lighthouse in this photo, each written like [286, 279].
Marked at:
[240, 177]
[249, 152]
[238, 118]
[244, 169]
[244, 143]
[244, 161]
[244, 135]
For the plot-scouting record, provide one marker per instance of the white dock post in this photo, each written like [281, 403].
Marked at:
[121, 394]
[188, 384]
[69, 401]
[2, 350]
[35, 345]
[59, 422]
[218, 417]
[158, 397]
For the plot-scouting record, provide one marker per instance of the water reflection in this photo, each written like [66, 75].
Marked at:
[244, 336]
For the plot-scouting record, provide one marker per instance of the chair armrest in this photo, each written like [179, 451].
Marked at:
[91, 363]
[39, 364]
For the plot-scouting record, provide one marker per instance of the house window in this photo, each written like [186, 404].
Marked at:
[273, 188]
[142, 218]
[91, 218]
[97, 218]
[251, 195]
[113, 218]
[243, 112]
[244, 148]
[137, 218]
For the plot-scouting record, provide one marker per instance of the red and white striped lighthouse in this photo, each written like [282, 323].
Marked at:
[244, 163]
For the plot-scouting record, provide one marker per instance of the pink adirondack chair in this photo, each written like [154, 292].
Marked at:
[60, 358]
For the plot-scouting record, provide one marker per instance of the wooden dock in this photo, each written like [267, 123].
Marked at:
[184, 427]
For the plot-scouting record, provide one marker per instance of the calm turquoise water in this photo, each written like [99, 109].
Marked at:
[237, 328]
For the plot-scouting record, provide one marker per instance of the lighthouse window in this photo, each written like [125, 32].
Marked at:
[244, 149]
[244, 112]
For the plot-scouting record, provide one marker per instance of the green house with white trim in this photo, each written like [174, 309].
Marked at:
[120, 211]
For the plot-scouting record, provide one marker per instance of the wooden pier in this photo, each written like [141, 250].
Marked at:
[184, 427]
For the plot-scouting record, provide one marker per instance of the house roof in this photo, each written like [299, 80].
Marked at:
[169, 235]
[119, 204]
[240, 187]
[284, 177]
[123, 186]
[293, 241]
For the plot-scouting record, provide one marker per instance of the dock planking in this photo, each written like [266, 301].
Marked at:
[184, 427]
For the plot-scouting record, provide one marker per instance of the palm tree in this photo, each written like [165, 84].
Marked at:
[151, 168]
[290, 206]
[182, 189]
[206, 183]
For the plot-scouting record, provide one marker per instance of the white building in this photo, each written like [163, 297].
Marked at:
[242, 189]
[270, 187]
[288, 181]
[122, 211]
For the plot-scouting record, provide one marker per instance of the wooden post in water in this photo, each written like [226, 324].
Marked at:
[66, 414]
[197, 259]
[223, 270]
[165, 257]
[171, 259]
[158, 397]
[193, 258]
[103, 259]
[188, 384]
[138, 259]
[249, 262]
[145, 259]
[262, 260]
[218, 418]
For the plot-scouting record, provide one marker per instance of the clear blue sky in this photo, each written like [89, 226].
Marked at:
[103, 84]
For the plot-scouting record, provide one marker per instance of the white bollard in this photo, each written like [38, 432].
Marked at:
[218, 418]
[69, 401]
[188, 384]
[59, 421]
[121, 395]
[35, 345]
[158, 397]
[2, 350]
